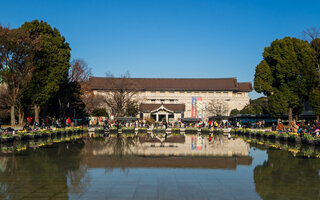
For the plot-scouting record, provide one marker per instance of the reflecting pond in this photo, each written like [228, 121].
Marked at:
[144, 167]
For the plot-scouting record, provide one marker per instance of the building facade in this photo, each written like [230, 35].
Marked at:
[173, 99]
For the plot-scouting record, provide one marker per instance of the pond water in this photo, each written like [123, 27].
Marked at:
[176, 167]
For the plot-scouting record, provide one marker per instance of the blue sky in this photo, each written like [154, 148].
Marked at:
[169, 38]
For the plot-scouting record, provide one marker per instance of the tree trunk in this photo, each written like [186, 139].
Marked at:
[13, 120]
[21, 116]
[36, 113]
[317, 115]
[44, 113]
[297, 117]
[290, 115]
[60, 108]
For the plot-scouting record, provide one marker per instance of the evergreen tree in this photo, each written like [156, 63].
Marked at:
[277, 104]
[51, 64]
[289, 68]
[315, 101]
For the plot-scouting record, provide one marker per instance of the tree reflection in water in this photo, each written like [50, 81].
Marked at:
[117, 147]
[79, 179]
[283, 176]
[121, 145]
[40, 173]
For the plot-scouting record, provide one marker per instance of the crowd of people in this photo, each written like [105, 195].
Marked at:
[107, 124]
[301, 127]
[163, 124]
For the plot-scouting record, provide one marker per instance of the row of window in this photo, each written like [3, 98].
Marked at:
[223, 94]
[195, 93]
[162, 100]
[216, 94]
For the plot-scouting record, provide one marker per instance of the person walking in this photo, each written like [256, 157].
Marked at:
[274, 127]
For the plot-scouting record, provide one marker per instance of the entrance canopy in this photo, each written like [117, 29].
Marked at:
[160, 112]
[146, 108]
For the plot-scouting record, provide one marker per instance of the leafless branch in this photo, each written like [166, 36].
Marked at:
[120, 99]
[79, 71]
[218, 108]
[311, 33]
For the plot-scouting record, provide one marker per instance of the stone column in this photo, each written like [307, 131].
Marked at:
[167, 117]
[157, 117]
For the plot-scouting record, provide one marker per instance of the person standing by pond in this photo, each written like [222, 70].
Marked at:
[68, 121]
[35, 125]
[280, 127]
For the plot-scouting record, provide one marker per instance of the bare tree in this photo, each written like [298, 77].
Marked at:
[81, 73]
[16, 52]
[121, 97]
[311, 33]
[218, 107]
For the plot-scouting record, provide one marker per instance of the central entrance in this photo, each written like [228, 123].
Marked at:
[162, 112]
[162, 117]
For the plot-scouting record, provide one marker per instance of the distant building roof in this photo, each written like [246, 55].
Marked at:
[213, 84]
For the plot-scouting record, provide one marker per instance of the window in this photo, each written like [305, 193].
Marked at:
[171, 100]
[161, 91]
[162, 100]
[225, 94]
[153, 91]
[153, 100]
[172, 92]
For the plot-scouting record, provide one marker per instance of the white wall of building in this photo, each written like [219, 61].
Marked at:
[235, 100]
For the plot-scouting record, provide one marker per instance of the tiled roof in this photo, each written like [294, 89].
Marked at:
[245, 87]
[217, 84]
[173, 107]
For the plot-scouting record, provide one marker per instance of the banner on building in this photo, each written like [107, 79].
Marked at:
[197, 107]
[194, 107]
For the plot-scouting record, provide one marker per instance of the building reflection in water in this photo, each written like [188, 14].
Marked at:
[169, 152]
[68, 170]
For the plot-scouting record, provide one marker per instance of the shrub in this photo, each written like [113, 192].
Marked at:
[308, 137]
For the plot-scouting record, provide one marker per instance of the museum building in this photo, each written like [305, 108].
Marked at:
[173, 98]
